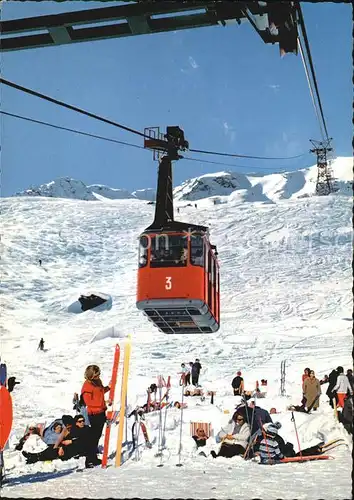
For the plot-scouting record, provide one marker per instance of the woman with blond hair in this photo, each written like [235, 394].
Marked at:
[92, 393]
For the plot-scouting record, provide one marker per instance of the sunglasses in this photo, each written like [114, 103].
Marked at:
[240, 419]
[81, 421]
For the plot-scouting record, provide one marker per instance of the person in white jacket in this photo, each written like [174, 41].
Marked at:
[342, 386]
[234, 437]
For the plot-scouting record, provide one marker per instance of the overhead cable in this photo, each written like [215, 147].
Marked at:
[309, 56]
[72, 130]
[200, 160]
[128, 129]
[246, 156]
[69, 106]
[310, 88]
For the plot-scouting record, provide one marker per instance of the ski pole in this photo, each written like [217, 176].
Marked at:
[297, 436]
[180, 431]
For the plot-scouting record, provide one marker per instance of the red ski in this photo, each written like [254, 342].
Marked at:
[110, 413]
[305, 459]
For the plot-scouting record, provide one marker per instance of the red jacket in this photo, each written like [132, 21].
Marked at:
[93, 396]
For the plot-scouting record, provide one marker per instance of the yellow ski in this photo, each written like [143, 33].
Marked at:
[123, 397]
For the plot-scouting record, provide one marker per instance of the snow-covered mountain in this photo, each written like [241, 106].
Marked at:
[238, 187]
[271, 187]
[63, 187]
[286, 279]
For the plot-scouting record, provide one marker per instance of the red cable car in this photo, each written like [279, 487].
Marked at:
[178, 275]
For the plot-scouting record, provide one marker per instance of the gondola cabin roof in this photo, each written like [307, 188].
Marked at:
[175, 226]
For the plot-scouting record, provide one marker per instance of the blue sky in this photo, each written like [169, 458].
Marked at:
[227, 89]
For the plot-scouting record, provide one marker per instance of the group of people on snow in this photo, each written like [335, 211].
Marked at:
[190, 373]
[250, 431]
[69, 436]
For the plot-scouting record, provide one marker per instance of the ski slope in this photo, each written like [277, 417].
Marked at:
[285, 295]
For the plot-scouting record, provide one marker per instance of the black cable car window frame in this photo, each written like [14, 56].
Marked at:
[192, 247]
[143, 251]
[175, 260]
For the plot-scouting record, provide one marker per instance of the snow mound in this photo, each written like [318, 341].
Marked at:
[108, 192]
[108, 333]
[148, 194]
[76, 308]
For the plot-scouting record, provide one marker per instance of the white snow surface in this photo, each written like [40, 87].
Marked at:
[285, 295]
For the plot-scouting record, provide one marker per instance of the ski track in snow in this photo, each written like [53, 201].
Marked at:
[285, 295]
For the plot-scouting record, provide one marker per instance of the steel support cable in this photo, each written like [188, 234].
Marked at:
[307, 47]
[201, 160]
[87, 134]
[246, 156]
[69, 106]
[310, 88]
[128, 129]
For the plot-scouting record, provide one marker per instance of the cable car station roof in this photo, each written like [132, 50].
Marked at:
[275, 22]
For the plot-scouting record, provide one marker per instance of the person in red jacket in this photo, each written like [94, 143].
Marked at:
[92, 393]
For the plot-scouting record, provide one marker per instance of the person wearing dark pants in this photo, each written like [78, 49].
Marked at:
[196, 367]
[92, 393]
[97, 421]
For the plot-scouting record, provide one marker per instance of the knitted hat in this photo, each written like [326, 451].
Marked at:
[272, 428]
[239, 373]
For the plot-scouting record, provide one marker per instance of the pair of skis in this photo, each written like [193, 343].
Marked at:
[137, 426]
[112, 415]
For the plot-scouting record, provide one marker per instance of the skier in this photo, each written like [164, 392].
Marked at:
[40, 262]
[342, 386]
[41, 345]
[238, 384]
[196, 367]
[92, 393]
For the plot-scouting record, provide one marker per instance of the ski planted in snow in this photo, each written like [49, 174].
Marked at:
[110, 413]
[123, 397]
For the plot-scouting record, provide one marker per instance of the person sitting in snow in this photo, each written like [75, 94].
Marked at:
[193, 392]
[234, 437]
[269, 449]
[52, 432]
[79, 442]
[32, 436]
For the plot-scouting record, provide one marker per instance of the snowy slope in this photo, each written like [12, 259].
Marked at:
[285, 295]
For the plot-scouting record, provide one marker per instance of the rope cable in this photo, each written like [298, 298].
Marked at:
[72, 130]
[309, 56]
[128, 129]
[310, 87]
